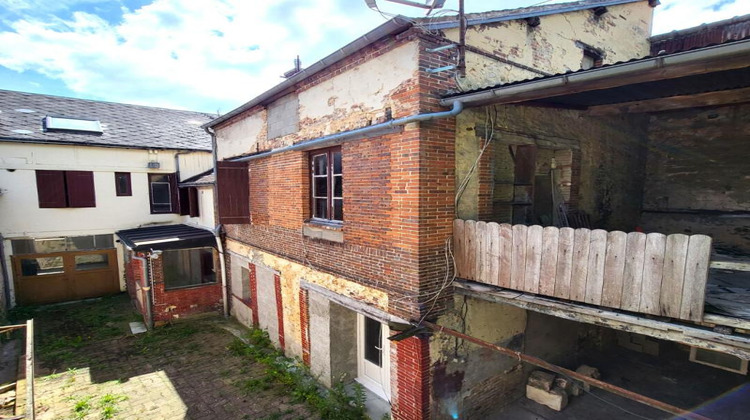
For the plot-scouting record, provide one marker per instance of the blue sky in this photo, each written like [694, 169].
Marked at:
[209, 55]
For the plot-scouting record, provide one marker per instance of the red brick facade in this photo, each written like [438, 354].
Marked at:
[412, 380]
[171, 304]
[398, 213]
[279, 309]
[304, 326]
[253, 293]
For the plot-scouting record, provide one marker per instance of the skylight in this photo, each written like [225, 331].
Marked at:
[71, 124]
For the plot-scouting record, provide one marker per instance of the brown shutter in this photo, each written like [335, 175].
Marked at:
[174, 190]
[232, 182]
[50, 187]
[184, 202]
[80, 185]
[193, 200]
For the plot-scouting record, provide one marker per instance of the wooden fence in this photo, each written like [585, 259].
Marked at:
[649, 273]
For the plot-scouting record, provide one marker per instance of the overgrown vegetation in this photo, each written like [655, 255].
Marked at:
[106, 406]
[67, 328]
[335, 404]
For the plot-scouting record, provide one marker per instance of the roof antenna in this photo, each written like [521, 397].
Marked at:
[297, 68]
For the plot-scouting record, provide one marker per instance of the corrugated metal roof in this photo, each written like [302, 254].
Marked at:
[123, 125]
[702, 36]
[166, 237]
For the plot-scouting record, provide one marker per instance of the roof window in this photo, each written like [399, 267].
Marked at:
[77, 125]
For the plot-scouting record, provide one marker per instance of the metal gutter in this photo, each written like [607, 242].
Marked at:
[393, 26]
[107, 145]
[359, 133]
[526, 13]
[536, 88]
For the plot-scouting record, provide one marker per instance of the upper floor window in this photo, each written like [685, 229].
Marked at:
[123, 187]
[163, 193]
[327, 198]
[57, 189]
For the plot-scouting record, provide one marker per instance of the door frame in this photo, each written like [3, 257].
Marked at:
[383, 389]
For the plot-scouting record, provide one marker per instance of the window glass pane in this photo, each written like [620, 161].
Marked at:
[122, 183]
[158, 178]
[22, 246]
[338, 209]
[188, 267]
[337, 186]
[79, 243]
[92, 262]
[372, 341]
[160, 193]
[321, 208]
[320, 165]
[336, 162]
[321, 187]
[104, 241]
[43, 246]
[41, 266]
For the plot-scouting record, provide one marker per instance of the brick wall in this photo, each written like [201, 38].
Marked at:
[177, 303]
[412, 380]
[305, 325]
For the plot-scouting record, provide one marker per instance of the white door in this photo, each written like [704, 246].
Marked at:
[373, 356]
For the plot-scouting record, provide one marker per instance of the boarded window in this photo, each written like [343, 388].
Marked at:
[232, 182]
[123, 187]
[188, 267]
[163, 193]
[58, 189]
[283, 116]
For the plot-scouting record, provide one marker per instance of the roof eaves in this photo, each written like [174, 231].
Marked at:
[393, 26]
[527, 12]
[93, 144]
[540, 85]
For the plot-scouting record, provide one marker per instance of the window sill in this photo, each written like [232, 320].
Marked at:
[323, 230]
[192, 286]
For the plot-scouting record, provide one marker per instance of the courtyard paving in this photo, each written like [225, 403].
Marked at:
[91, 367]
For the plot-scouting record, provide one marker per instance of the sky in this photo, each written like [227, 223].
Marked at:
[211, 55]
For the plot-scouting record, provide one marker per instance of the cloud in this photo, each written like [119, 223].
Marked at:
[180, 53]
[682, 14]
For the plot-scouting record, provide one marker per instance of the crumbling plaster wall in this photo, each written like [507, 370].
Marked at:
[620, 34]
[468, 379]
[698, 174]
[612, 156]
[291, 273]
[353, 96]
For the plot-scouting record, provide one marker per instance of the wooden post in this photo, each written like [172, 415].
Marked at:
[30, 370]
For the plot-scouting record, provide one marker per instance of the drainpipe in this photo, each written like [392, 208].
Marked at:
[4, 272]
[320, 142]
[223, 264]
[149, 299]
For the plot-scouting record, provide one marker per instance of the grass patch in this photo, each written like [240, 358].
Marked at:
[156, 340]
[62, 329]
[108, 405]
[295, 379]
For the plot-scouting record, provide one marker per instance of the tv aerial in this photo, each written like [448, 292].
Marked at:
[426, 4]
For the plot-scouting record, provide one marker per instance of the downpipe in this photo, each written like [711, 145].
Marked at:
[223, 264]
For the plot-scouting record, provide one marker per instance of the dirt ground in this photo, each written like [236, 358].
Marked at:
[91, 367]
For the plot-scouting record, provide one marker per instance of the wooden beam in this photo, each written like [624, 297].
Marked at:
[724, 97]
[730, 265]
[693, 336]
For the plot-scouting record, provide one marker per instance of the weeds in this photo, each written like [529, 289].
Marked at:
[81, 407]
[335, 403]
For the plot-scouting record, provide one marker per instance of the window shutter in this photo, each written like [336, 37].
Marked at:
[193, 200]
[50, 187]
[233, 187]
[175, 191]
[80, 188]
[184, 201]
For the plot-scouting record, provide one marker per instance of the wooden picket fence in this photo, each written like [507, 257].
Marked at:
[651, 273]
